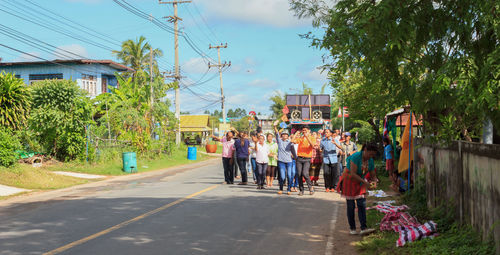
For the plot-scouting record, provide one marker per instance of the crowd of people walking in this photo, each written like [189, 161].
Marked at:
[296, 159]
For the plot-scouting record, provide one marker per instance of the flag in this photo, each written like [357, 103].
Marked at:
[285, 110]
[406, 140]
[386, 130]
[346, 113]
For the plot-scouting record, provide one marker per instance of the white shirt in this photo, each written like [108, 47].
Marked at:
[252, 150]
[262, 153]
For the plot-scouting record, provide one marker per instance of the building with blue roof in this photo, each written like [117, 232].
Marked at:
[93, 76]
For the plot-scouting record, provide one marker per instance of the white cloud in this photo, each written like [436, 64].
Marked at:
[275, 13]
[62, 52]
[263, 83]
[195, 65]
[250, 61]
[237, 99]
[314, 75]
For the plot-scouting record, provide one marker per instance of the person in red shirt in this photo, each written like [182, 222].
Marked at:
[306, 144]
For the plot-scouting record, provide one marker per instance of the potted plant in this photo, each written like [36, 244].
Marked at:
[211, 147]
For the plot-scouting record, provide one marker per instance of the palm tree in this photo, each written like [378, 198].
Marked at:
[14, 101]
[136, 54]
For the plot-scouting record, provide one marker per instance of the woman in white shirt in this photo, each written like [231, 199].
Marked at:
[262, 158]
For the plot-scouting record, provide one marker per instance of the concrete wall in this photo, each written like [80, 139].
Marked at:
[467, 175]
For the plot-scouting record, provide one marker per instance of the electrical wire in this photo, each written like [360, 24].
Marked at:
[50, 61]
[206, 23]
[20, 34]
[129, 7]
[60, 31]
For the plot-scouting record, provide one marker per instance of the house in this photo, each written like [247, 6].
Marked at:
[266, 123]
[193, 126]
[93, 76]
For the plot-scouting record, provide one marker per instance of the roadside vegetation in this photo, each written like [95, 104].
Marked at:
[453, 237]
[58, 123]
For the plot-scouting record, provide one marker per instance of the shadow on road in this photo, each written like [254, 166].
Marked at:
[227, 222]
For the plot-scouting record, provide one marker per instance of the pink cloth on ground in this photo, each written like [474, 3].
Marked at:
[407, 226]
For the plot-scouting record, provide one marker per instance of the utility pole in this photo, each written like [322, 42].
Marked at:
[151, 88]
[175, 19]
[220, 66]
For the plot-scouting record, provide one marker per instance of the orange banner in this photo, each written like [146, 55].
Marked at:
[407, 150]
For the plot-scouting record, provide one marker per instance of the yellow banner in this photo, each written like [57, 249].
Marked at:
[405, 152]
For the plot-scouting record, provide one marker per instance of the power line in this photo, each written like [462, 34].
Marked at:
[129, 7]
[35, 39]
[63, 32]
[50, 61]
[204, 21]
[102, 35]
[56, 28]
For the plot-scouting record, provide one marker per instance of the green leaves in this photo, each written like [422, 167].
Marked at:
[60, 114]
[14, 101]
[9, 143]
[440, 57]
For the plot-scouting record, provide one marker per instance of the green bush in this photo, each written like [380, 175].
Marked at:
[14, 101]
[365, 132]
[61, 111]
[9, 143]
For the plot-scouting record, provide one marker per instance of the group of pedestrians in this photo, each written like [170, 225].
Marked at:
[297, 159]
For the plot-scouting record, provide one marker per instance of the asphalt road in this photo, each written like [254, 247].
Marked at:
[177, 211]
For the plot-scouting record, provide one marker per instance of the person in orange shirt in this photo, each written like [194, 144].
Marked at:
[306, 143]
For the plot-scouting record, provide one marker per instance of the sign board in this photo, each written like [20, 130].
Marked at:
[223, 128]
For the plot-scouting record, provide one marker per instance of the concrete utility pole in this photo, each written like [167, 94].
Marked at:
[151, 87]
[175, 19]
[220, 66]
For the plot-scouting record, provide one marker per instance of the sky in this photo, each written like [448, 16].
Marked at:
[264, 46]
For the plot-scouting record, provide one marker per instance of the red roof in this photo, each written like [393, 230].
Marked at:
[403, 118]
[111, 63]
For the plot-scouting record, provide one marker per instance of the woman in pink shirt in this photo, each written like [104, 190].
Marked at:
[227, 155]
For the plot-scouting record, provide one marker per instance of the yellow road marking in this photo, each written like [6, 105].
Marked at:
[125, 223]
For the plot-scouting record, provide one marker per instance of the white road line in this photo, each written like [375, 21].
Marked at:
[333, 222]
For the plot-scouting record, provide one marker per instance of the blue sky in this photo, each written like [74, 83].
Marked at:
[264, 46]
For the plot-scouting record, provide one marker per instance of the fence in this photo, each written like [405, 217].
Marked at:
[468, 176]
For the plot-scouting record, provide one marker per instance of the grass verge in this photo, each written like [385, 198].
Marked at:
[27, 177]
[453, 238]
[114, 167]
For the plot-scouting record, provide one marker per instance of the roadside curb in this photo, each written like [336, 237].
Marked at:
[41, 196]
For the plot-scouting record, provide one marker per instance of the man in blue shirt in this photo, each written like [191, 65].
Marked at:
[330, 161]
[285, 148]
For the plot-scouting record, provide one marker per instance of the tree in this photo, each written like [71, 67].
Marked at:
[279, 101]
[136, 54]
[14, 101]
[60, 114]
[439, 57]
[131, 114]
[242, 124]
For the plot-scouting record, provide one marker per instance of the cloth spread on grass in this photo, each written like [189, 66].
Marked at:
[377, 193]
[408, 227]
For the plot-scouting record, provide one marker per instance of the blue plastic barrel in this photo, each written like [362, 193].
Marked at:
[129, 162]
[192, 153]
